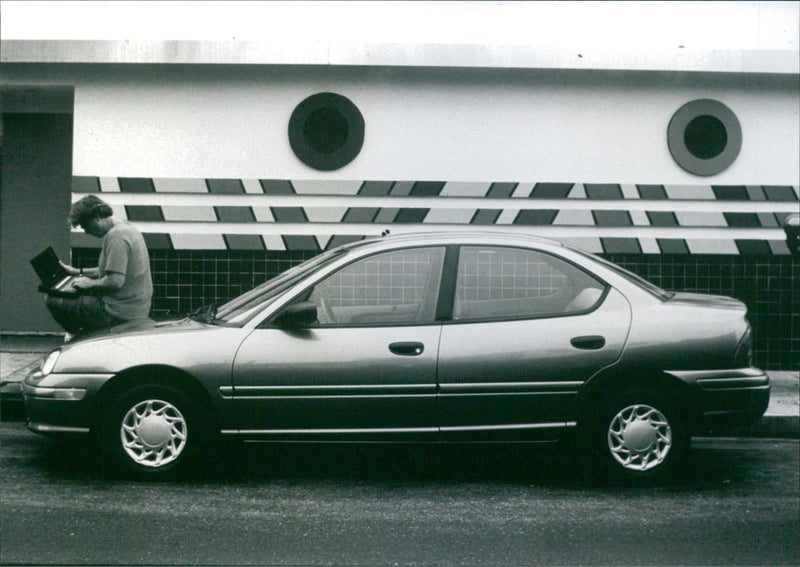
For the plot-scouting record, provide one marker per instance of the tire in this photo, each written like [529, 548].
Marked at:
[150, 431]
[641, 438]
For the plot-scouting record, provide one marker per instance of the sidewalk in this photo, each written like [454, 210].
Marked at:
[20, 354]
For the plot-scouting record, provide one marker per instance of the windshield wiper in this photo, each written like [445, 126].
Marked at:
[204, 314]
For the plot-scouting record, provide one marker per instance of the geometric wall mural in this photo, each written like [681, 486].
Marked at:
[273, 214]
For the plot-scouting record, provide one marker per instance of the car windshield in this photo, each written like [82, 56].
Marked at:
[650, 288]
[241, 309]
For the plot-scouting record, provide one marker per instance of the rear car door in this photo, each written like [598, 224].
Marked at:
[366, 369]
[528, 329]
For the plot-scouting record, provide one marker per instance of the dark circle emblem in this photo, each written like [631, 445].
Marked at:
[704, 137]
[326, 131]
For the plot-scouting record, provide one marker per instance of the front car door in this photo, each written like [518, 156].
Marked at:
[365, 370]
[528, 329]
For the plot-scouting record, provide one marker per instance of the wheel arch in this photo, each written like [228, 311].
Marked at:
[613, 383]
[156, 375]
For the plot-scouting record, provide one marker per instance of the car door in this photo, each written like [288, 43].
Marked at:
[527, 330]
[366, 369]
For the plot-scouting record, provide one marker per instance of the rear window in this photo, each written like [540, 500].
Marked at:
[639, 281]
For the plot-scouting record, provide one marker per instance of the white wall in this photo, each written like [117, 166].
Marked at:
[427, 124]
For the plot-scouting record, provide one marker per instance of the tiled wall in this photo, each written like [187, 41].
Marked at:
[185, 280]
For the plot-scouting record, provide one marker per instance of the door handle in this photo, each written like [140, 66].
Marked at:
[407, 348]
[589, 342]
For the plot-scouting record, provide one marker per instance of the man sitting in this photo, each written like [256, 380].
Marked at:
[120, 288]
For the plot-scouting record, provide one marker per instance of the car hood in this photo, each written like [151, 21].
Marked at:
[182, 344]
[704, 300]
[141, 326]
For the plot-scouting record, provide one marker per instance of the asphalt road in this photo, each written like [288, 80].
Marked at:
[736, 504]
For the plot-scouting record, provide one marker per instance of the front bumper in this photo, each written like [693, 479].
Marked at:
[724, 399]
[60, 404]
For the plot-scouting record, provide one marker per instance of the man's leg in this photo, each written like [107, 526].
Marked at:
[63, 311]
[79, 315]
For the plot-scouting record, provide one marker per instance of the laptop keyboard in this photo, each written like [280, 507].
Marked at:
[67, 286]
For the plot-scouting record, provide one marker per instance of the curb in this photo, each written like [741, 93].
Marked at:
[772, 427]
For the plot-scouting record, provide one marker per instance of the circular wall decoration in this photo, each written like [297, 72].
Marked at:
[326, 131]
[704, 137]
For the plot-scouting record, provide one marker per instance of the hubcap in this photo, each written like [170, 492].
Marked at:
[639, 437]
[153, 433]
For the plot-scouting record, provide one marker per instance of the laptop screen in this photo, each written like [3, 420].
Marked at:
[46, 266]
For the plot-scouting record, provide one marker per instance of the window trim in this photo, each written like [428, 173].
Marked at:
[447, 286]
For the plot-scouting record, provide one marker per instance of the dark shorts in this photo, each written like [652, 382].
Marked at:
[82, 314]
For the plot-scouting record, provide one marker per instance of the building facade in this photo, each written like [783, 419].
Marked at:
[239, 158]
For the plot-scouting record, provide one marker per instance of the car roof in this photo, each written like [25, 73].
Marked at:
[478, 235]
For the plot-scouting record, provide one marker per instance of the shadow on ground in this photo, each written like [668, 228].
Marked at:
[546, 465]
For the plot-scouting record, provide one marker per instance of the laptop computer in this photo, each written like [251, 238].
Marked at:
[55, 279]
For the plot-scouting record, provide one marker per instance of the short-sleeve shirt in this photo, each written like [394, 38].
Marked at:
[124, 252]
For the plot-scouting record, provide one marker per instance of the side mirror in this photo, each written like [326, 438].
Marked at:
[297, 316]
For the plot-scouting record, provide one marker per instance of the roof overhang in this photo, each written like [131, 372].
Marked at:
[717, 37]
[188, 52]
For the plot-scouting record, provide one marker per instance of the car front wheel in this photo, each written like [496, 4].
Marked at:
[150, 431]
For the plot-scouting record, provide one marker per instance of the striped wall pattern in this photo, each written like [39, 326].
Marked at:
[291, 215]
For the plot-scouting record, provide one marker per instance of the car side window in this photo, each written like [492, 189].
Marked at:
[392, 288]
[514, 283]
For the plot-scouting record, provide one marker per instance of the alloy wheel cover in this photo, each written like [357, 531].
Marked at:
[639, 437]
[153, 433]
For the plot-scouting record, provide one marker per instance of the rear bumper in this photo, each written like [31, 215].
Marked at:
[724, 399]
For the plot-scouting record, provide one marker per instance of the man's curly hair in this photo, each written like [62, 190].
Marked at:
[87, 209]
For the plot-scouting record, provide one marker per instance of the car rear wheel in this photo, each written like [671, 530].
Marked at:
[150, 431]
[641, 437]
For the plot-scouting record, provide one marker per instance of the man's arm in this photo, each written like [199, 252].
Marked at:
[112, 281]
[73, 271]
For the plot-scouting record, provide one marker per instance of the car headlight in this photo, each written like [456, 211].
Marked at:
[50, 362]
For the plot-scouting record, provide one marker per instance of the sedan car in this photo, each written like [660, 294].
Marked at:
[482, 337]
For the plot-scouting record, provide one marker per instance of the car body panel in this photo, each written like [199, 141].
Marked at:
[335, 380]
[540, 370]
[726, 398]
[686, 332]
[204, 352]
[176, 343]
[61, 414]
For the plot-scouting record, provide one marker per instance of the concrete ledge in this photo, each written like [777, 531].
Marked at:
[318, 51]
